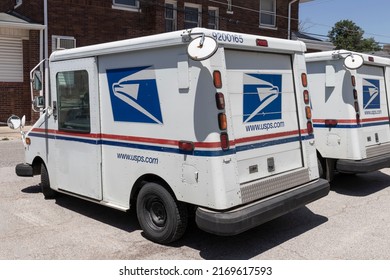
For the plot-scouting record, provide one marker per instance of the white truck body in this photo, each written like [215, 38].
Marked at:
[227, 134]
[350, 111]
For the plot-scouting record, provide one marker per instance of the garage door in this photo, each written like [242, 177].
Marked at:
[11, 60]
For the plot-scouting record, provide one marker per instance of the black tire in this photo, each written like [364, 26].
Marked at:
[48, 192]
[163, 219]
[321, 169]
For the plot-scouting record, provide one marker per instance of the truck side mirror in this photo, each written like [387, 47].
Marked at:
[39, 102]
[353, 61]
[37, 80]
[202, 47]
[14, 122]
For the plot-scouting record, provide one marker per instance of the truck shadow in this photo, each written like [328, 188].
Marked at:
[255, 241]
[126, 221]
[210, 247]
[360, 184]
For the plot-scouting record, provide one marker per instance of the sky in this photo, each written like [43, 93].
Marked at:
[373, 16]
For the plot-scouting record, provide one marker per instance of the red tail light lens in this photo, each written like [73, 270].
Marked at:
[353, 80]
[306, 98]
[224, 141]
[261, 43]
[356, 104]
[220, 100]
[355, 94]
[309, 127]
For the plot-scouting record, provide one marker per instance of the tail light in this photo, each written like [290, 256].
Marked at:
[309, 127]
[217, 79]
[224, 141]
[308, 112]
[220, 100]
[356, 104]
[306, 97]
[353, 80]
[222, 121]
[357, 118]
[355, 94]
[261, 43]
[304, 79]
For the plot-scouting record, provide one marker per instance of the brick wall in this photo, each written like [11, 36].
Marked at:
[6, 5]
[95, 21]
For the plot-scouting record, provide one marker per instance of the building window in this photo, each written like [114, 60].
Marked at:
[73, 101]
[213, 18]
[268, 13]
[192, 15]
[170, 16]
[131, 5]
[63, 42]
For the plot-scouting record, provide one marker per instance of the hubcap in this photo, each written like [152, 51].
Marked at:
[157, 212]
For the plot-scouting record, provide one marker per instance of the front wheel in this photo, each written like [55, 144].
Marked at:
[162, 218]
[48, 192]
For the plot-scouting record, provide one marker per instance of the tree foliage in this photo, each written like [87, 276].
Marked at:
[347, 35]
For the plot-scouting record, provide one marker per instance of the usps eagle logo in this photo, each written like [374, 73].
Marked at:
[134, 95]
[262, 97]
[371, 96]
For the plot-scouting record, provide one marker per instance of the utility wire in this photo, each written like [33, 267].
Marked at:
[238, 22]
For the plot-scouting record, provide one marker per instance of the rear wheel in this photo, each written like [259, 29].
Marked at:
[321, 170]
[162, 218]
[48, 193]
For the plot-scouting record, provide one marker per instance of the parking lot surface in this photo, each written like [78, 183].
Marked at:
[352, 222]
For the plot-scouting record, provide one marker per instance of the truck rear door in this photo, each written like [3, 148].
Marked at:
[264, 113]
[373, 105]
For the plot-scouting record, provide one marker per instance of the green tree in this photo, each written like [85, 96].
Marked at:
[347, 35]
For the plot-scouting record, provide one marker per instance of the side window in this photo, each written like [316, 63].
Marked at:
[192, 15]
[213, 18]
[73, 101]
[268, 13]
[125, 4]
[170, 15]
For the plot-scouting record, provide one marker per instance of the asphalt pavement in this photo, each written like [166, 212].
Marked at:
[351, 223]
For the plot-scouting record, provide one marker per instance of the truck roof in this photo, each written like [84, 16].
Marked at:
[339, 54]
[229, 39]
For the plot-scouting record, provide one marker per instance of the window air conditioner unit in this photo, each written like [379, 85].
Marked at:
[65, 43]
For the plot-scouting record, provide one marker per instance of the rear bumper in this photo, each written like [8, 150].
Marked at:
[24, 170]
[364, 165]
[244, 218]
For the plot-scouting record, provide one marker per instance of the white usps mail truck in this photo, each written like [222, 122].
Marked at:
[204, 122]
[350, 111]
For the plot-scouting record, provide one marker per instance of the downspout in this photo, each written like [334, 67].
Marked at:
[289, 18]
[46, 52]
